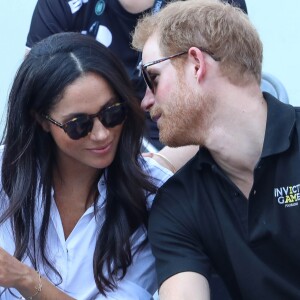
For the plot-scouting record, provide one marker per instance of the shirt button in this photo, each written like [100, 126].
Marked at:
[254, 192]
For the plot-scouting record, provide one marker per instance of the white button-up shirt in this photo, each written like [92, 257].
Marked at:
[73, 257]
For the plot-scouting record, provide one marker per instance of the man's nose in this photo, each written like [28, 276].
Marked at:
[148, 100]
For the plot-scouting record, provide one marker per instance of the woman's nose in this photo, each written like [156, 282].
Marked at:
[99, 132]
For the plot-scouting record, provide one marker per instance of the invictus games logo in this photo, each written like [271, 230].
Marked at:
[288, 196]
[99, 8]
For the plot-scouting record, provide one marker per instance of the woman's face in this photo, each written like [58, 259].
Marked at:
[87, 95]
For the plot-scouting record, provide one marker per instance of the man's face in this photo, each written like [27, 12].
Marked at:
[181, 110]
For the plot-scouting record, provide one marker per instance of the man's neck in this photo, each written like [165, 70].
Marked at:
[236, 141]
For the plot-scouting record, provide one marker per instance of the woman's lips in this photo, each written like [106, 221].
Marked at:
[101, 150]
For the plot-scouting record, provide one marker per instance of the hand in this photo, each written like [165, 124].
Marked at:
[173, 158]
[12, 271]
[148, 154]
[162, 160]
[15, 274]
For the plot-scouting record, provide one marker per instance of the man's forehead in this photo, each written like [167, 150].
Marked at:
[151, 50]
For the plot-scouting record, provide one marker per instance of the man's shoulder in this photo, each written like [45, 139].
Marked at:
[297, 110]
[188, 180]
[54, 5]
[157, 172]
[196, 166]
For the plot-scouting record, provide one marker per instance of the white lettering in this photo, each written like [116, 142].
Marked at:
[291, 204]
[286, 190]
[278, 192]
[75, 5]
[281, 200]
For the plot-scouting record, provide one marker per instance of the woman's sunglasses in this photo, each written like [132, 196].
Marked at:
[82, 125]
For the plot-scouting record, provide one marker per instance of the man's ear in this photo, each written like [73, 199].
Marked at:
[41, 121]
[197, 59]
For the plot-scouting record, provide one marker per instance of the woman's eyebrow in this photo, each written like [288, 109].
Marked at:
[112, 100]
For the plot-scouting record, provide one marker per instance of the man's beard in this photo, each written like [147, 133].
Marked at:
[186, 117]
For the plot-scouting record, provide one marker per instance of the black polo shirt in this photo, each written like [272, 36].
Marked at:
[201, 221]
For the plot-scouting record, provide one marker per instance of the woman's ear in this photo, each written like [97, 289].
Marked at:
[41, 121]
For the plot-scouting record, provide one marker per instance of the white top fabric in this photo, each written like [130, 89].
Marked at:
[73, 257]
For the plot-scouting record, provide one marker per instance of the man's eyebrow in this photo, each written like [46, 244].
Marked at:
[152, 69]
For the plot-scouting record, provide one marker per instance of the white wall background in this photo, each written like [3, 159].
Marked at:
[277, 22]
[15, 18]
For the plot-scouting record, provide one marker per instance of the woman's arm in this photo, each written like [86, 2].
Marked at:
[15, 274]
[174, 158]
[140, 279]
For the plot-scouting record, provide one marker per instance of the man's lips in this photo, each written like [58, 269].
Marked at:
[155, 117]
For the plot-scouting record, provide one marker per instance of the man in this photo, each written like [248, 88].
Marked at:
[234, 207]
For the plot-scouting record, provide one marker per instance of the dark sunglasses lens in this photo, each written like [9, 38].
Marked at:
[147, 79]
[79, 127]
[113, 116]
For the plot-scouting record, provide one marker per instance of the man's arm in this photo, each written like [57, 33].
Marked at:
[176, 240]
[185, 286]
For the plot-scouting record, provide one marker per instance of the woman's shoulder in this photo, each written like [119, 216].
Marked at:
[159, 173]
[1, 157]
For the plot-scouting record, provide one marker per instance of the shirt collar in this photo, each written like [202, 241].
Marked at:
[280, 123]
[102, 190]
[281, 120]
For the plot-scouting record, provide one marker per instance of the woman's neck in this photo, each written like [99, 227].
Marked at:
[75, 189]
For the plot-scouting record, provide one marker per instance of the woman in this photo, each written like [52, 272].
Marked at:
[75, 189]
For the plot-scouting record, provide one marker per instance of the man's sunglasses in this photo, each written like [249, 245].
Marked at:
[147, 76]
[82, 125]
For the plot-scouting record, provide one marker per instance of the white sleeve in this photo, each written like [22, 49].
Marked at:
[158, 173]
[140, 280]
[7, 243]
[6, 238]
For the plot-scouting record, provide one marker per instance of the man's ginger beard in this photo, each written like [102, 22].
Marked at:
[185, 116]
